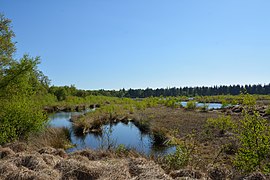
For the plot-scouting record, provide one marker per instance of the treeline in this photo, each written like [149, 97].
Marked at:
[62, 92]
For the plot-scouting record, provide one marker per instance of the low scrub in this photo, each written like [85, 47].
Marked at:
[171, 103]
[178, 159]
[191, 105]
[268, 110]
[221, 124]
[254, 137]
[19, 117]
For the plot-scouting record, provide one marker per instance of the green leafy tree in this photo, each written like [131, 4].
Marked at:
[20, 84]
[7, 46]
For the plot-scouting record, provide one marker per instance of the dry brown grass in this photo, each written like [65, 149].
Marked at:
[47, 164]
[182, 121]
[189, 127]
[50, 137]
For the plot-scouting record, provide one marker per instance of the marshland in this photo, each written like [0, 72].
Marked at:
[175, 90]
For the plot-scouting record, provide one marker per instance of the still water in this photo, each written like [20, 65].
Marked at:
[209, 105]
[112, 135]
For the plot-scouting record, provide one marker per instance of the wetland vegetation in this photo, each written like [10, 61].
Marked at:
[221, 135]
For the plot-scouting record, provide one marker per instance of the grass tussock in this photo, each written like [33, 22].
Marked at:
[87, 164]
[51, 137]
[93, 121]
[160, 136]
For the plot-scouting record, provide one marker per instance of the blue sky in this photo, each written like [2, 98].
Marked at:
[105, 44]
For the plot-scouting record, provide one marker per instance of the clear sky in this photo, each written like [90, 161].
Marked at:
[113, 44]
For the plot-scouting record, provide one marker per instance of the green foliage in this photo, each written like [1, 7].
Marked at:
[21, 84]
[62, 92]
[140, 105]
[7, 46]
[150, 102]
[121, 149]
[222, 123]
[254, 136]
[20, 88]
[224, 103]
[179, 158]
[171, 103]
[23, 78]
[191, 105]
[19, 117]
[268, 110]
[248, 100]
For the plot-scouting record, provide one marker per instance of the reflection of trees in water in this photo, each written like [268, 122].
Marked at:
[78, 136]
[143, 145]
[78, 132]
[83, 139]
[61, 115]
[106, 140]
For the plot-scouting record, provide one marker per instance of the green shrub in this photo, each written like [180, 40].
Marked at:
[222, 123]
[191, 105]
[171, 103]
[254, 137]
[18, 118]
[150, 102]
[179, 158]
[248, 100]
[225, 103]
[121, 149]
[140, 105]
[268, 110]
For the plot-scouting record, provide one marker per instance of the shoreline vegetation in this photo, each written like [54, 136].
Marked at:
[203, 137]
[228, 143]
[207, 141]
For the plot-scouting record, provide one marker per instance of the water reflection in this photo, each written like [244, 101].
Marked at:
[111, 135]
